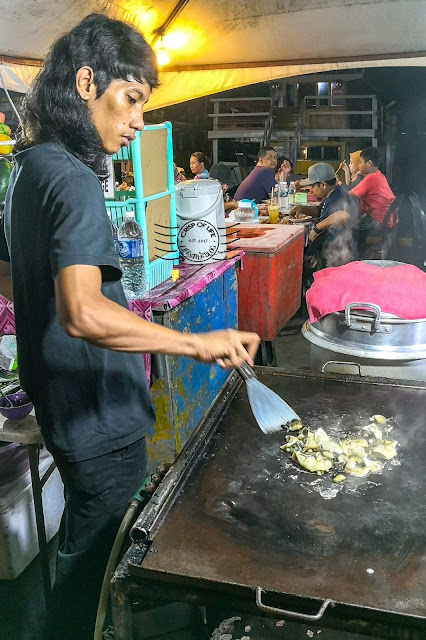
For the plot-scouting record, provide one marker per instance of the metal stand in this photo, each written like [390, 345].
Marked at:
[266, 356]
[27, 432]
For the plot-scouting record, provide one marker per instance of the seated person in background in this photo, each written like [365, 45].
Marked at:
[373, 191]
[178, 174]
[337, 214]
[352, 173]
[261, 180]
[127, 184]
[197, 164]
[222, 173]
[286, 168]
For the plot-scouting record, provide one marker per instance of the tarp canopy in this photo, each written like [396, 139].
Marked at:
[215, 45]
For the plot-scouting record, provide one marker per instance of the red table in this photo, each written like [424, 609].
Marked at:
[270, 282]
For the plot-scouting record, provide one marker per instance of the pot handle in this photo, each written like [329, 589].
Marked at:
[291, 614]
[367, 305]
[355, 364]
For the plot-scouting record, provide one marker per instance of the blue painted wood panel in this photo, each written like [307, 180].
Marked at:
[185, 389]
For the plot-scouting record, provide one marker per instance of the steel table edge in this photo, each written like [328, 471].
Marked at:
[339, 377]
[203, 590]
[146, 524]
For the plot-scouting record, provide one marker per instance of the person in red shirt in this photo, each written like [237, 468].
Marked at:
[374, 192]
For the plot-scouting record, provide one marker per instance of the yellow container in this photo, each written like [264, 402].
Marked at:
[273, 212]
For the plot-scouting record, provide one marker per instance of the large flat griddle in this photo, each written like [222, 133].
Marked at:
[247, 517]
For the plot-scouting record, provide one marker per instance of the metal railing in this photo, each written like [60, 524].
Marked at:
[297, 138]
[323, 106]
[270, 120]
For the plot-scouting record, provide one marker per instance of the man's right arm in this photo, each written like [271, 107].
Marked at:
[307, 210]
[83, 312]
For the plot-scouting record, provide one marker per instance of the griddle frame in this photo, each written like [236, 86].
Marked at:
[130, 591]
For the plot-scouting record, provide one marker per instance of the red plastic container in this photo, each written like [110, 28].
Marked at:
[270, 282]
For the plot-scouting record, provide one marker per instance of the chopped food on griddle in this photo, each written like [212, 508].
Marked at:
[317, 452]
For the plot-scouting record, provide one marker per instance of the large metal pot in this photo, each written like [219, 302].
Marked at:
[382, 344]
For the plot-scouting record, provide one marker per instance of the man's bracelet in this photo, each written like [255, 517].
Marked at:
[316, 230]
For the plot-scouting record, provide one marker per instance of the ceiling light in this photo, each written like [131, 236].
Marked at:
[163, 57]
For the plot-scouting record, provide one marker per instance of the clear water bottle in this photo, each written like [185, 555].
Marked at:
[114, 231]
[283, 196]
[130, 251]
[292, 193]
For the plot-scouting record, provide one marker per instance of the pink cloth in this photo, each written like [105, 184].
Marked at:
[400, 290]
[7, 318]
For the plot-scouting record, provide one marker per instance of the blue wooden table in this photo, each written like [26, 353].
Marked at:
[204, 298]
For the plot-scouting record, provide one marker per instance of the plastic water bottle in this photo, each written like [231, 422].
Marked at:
[130, 251]
[114, 232]
[283, 196]
[292, 193]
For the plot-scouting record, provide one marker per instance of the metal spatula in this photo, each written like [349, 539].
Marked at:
[270, 411]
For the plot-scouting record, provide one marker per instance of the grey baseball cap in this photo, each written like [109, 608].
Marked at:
[320, 172]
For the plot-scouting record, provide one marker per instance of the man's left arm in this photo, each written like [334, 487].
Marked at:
[336, 219]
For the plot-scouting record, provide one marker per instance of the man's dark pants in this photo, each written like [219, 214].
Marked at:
[97, 492]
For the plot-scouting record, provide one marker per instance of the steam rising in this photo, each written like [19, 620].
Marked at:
[341, 249]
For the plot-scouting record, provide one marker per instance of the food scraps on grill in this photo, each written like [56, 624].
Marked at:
[317, 452]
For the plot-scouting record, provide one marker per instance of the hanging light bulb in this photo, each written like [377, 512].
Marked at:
[163, 57]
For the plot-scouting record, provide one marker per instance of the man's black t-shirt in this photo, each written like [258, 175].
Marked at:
[88, 401]
[338, 200]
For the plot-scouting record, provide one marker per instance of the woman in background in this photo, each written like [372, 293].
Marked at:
[352, 174]
[197, 164]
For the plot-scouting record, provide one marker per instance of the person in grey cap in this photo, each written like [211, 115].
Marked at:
[335, 209]
[337, 216]
[222, 173]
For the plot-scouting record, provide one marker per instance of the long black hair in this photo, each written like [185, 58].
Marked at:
[52, 110]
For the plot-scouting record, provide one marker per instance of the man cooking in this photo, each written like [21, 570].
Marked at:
[78, 344]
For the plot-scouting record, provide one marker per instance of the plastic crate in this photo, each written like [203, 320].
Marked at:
[153, 200]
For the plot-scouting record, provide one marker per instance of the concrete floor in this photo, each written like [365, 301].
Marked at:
[21, 600]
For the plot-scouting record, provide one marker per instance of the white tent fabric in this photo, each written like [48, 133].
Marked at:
[186, 85]
[17, 77]
[215, 45]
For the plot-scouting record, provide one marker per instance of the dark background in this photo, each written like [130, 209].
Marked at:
[401, 91]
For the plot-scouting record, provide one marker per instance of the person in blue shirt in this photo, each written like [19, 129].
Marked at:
[261, 180]
[197, 164]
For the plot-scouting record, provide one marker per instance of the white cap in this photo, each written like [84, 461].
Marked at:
[129, 214]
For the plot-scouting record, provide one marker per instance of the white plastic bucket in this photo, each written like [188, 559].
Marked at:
[200, 216]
